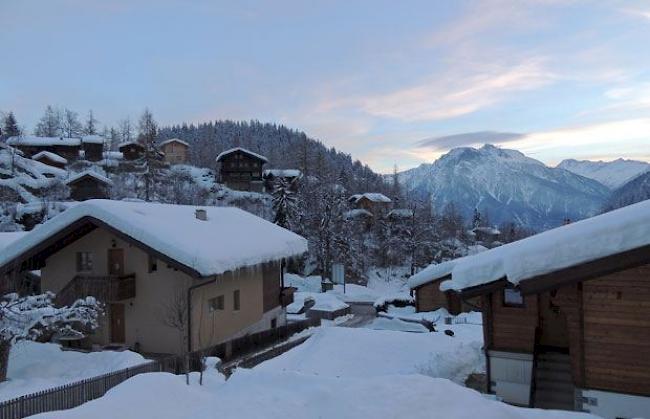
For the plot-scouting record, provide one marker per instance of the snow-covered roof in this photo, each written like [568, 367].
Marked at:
[175, 140]
[486, 230]
[51, 156]
[357, 213]
[371, 196]
[400, 213]
[128, 143]
[563, 247]
[32, 140]
[229, 239]
[113, 155]
[90, 173]
[243, 150]
[282, 173]
[7, 238]
[92, 139]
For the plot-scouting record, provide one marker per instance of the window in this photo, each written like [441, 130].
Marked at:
[235, 300]
[84, 262]
[215, 304]
[512, 298]
[153, 264]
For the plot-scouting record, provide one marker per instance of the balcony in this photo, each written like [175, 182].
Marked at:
[104, 288]
[286, 296]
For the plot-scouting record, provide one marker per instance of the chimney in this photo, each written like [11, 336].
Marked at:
[201, 214]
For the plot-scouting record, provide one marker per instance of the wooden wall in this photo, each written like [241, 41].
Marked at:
[617, 331]
[513, 328]
[428, 297]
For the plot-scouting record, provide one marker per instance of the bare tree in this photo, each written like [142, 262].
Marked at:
[71, 125]
[173, 314]
[90, 127]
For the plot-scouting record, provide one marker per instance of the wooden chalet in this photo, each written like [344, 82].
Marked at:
[176, 151]
[89, 185]
[51, 159]
[241, 169]
[89, 147]
[131, 150]
[566, 314]
[376, 203]
[273, 176]
[148, 261]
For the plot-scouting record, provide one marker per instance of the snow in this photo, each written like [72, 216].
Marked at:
[113, 155]
[32, 140]
[384, 323]
[350, 352]
[253, 394]
[371, 196]
[174, 140]
[286, 173]
[357, 213]
[128, 143]
[92, 139]
[93, 174]
[51, 156]
[243, 150]
[38, 366]
[612, 174]
[7, 238]
[325, 301]
[604, 235]
[219, 244]
[433, 272]
[400, 213]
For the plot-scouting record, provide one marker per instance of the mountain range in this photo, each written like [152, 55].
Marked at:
[509, 186]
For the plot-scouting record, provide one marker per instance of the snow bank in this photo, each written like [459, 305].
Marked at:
[383, 323]
[604, 235]
[324, 301]
[38, 366]
[350, 352]
[229, 239]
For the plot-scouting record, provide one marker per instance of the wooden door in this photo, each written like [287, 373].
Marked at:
[116, 262]
[117, 323]
[553, 323]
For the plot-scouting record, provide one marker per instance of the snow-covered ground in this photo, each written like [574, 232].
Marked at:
[38, 366]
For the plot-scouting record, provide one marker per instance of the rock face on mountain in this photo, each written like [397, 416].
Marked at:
[612, 174]
[507, 185]
[636, 190]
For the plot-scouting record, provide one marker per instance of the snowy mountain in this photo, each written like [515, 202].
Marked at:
[506, 185]
[636, 190]
[612, 174]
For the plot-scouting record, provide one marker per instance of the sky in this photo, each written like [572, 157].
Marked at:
[392, 83]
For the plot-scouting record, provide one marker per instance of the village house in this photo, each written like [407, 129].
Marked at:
[485, 236]
[273, 176]
[152, 264]
[376, 203]
[51, 159]
[89, 147]
[131, 150]
[566, 318]
[176, 151]
[241, 169]
[88, 185]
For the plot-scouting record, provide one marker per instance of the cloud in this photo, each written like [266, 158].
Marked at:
[468, 138]
[457, 94]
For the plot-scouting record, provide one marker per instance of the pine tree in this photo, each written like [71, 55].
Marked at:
[90, 127]
[284, 203]
[476, 219]
[10, 126]
[50, 124]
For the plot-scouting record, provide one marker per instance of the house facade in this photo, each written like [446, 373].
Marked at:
[241, 169]
[176, 151]
[88, 185]
[131, 150]
[123, 253]
[376, 203]
[89, 147]
[566, 318]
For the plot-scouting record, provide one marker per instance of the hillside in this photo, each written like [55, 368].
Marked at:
[612, 174]
[506, 185]
[636, 190]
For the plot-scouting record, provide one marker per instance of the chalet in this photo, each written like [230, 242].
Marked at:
[241, 169]
[176, 151]
[131, 150]
[425, 285]
[566, 314]
[88, 147]
[51, 159]
[88, 185]
[399, 214]
[376, 203]
[273, 176]
[173, 278]
[486, 236]
[5, 240]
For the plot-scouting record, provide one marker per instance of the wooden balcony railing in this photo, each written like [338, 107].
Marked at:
[104, 288]
[286, 296]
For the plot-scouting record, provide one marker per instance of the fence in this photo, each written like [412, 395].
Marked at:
[74, 394]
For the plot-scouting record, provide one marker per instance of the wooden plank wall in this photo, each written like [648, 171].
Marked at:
[569, 299]
[513, 328]
[429, 297]
[617, 331]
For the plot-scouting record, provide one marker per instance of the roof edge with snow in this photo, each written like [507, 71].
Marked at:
[243, 150]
